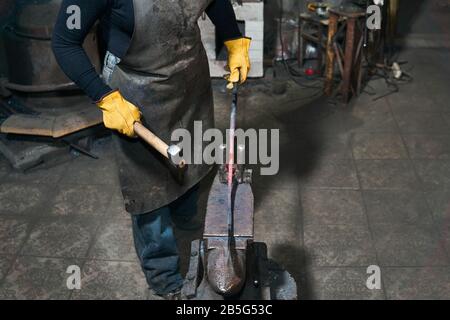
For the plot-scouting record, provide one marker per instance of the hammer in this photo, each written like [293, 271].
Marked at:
[171, 152]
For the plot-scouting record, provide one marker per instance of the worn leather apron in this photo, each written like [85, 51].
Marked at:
[165, 73]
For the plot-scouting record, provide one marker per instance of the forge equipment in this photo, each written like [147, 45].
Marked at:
[227, 262]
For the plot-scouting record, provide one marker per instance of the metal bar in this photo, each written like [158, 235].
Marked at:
[348, 58]
[320, 48]
[231, 162]
[339, 57]
[301, 43]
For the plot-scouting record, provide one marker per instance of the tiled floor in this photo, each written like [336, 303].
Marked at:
[373, 185]
[366, 184]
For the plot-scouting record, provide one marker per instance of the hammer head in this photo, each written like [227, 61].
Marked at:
[174, 152]
[178, 164]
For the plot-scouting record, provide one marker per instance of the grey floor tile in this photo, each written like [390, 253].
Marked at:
[58, 237]
[422, 122]
[413, 99]
[33, 278]
[114, 242]
[397, 206]
[331, 174]
[338, 245]
[5, 167]
[278, 233]
[387, 174]
[13, 233]
[40, 176]
[116, 208]
[417, 283]
[439, 202]
[87, 171]
[378, 146]
[445, 237]
[319, 116]
[322, 206]
[446, 116]
[323, 146]
[112, 280]
[434, 174]
[5, 263]
[286, 178]
[22, 199]
[255, 113]
[374, 84]
[408, 245]
[341, 284]
[374, 117]
[276, 206]
[435, 147]
[83, 200]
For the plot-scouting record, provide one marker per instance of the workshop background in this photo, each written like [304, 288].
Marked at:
[364, 180]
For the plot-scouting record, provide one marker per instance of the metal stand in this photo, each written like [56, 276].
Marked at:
[349, 58]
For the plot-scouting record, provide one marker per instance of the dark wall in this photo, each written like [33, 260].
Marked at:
[5, 10]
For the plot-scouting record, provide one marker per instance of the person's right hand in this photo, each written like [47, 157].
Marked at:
[119, 114]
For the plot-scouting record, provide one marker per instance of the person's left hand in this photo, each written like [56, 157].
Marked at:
[238, 60]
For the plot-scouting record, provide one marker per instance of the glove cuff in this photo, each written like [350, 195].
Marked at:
[237, 38]
[236, 44]
[110, 94]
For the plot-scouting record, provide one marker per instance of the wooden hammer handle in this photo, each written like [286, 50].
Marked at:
[151, 139]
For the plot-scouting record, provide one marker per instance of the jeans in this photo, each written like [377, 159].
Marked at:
[156, 245]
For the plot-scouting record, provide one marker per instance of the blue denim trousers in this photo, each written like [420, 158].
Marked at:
[156, 245]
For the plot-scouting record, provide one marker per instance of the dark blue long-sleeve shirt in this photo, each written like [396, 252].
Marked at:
[116, 28]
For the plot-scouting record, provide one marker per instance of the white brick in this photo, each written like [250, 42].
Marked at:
[256, 45]
[254, 26]
[256, 55]
[250, 11]
[256, 36]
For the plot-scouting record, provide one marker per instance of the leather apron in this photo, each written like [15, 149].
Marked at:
[166, 74]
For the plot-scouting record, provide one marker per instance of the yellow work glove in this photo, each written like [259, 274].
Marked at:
[238, 60]
[119, 114]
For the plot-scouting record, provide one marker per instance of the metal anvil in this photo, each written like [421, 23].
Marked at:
[242, 272]
[226, 262]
